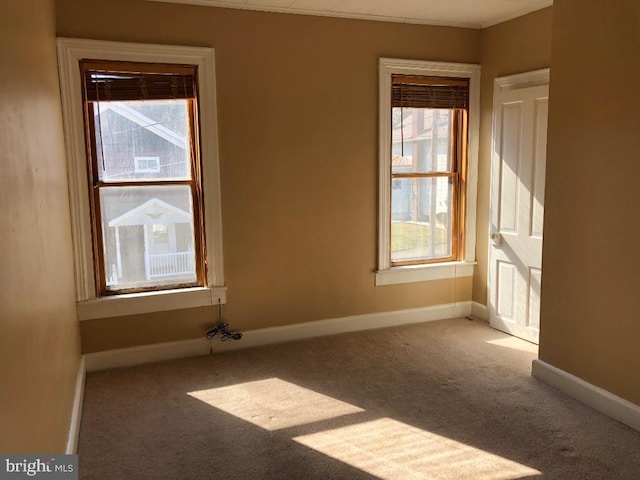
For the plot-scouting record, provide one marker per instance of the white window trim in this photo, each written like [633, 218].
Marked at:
[70, 52]
[387, 275]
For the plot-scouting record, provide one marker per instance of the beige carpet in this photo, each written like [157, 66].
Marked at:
[443, 400]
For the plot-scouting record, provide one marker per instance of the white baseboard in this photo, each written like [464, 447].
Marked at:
[76, 411]
[479, 311]
[265, 336]
[587, 393]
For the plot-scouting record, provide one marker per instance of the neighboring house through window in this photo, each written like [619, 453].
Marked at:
[428, 162]
[138, 202]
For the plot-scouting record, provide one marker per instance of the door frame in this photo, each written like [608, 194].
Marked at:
[535, 78]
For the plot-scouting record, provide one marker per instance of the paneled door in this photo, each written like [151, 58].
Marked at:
[517, 205]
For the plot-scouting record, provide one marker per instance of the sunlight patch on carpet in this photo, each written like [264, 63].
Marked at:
[515, 344]
[390, 449]
[274, 404]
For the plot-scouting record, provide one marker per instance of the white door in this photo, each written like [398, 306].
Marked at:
[517, 209]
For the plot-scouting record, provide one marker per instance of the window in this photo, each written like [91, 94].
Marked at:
[146, 164]
[141, 136]
[147, 216]
[428, 153]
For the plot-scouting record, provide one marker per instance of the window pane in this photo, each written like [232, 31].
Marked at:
[421, 219]
[142, 140]
[420, 140]
[148, 236]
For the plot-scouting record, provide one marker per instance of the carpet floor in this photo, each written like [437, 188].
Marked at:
[452, 399]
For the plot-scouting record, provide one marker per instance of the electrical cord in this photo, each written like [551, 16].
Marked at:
[222, 328]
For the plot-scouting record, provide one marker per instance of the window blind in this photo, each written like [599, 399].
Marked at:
[120, 81]
[414, 91]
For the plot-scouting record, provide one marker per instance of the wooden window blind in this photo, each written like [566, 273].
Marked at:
[122, 81]
[412, 91]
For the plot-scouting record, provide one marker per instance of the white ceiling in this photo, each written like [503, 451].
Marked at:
[458, 13]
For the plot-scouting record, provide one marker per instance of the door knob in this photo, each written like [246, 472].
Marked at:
[495, 238]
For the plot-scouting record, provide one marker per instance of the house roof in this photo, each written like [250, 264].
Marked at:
[400, 161]
[145, 122]
[152, 212]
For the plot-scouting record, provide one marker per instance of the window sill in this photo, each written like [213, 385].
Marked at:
[422, 273]
[149, 302]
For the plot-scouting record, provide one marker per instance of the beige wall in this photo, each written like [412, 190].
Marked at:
[517, 46]
[39, 340]
[297, 103]
[589, 315]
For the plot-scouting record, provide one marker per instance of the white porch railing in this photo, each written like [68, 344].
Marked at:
[169, 264]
